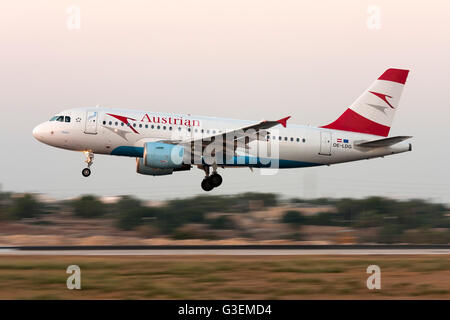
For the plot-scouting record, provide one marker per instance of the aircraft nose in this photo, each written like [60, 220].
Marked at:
[38, 132]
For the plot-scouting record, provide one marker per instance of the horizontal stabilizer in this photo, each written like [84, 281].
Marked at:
[386, 142]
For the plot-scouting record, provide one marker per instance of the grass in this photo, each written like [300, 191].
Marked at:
[224, 277]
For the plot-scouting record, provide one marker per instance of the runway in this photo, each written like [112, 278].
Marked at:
[245, 250]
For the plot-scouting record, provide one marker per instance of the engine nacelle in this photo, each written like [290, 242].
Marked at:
[163, 155]
[143, 169]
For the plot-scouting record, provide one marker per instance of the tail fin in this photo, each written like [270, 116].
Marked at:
[374, 110]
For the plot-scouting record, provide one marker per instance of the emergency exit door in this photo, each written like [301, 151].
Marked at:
[325, 143]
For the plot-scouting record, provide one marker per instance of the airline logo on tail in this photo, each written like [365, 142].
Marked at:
[383, 97]
[367, 114]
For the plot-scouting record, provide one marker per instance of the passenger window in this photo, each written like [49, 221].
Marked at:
[179, 128]
[116, 123]
[285, 138]
[189, 129]
[121, 124]
[67, 119]
[110, 123]
[140, 125]
[279, 138]
[153, 127]
[146, 126]
[298, 139]
[158, 127]
[134, 125]
[292, 139]
[304, 140]
[164, 127]
[170, 128]
[104, 122]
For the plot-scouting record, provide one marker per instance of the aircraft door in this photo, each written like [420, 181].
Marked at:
[91, 122]
[325, 143]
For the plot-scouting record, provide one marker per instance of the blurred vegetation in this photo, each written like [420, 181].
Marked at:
[222, 223]
[88, 207]
[23, 207]
[131, 213]
[375, 219]
[176, 213]
[392, 219]
[4, 198]
[293, 217]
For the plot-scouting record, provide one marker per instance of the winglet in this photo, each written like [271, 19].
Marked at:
[283, 121]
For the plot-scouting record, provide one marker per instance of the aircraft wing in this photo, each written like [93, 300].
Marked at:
[250, 133]
[241, 137]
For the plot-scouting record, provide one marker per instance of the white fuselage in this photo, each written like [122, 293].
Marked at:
[124, 132]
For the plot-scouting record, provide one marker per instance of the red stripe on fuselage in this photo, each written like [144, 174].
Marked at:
[124, 120]
[352, 121]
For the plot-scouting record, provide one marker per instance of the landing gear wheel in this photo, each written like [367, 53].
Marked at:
[207, 184]
[216, 179]
[86, 172]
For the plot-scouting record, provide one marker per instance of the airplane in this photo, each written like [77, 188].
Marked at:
[164, 143]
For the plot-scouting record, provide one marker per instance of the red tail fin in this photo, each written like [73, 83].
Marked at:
[374, 110]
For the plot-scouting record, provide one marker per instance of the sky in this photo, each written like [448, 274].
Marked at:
[249, 59]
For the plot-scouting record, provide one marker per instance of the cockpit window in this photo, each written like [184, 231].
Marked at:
[60, 118]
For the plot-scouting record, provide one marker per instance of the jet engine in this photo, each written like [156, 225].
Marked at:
[161, 159]
[143, 169]
[163, 155]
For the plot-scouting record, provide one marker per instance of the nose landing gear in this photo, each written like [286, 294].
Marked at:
[211, 181]
[86, 172]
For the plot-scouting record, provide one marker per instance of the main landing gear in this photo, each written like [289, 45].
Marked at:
[211, 181]
[86, 172]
